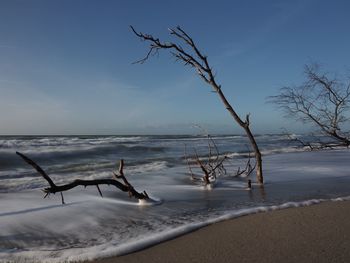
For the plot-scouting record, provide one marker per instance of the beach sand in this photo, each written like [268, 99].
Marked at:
[318, 233]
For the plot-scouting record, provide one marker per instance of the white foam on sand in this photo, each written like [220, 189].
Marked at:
[109, 249]
[90, 227]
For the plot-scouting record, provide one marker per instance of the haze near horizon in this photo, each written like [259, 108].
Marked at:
[66, 66]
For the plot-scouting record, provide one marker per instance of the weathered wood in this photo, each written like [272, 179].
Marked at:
[126, 187]
[200, 63]
[213, 166]
[249, 184]
[247, 170]
[206, 173]
[37, 168]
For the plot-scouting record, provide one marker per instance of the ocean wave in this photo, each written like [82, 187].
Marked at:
[91, 227]
[147, 167]
[197, 137]
[109, 249]
[246, 154]
[93, 155]
[130, 166]
[23, 179]
[63, 144]
[24, 142]
[138, 144]
[50, 156]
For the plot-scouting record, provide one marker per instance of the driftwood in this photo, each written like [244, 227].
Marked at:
[191, 56]
[213, 166]
[249, 184]
[125, 186]
[249, 168]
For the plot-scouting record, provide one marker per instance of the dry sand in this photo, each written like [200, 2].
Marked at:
[318, 233]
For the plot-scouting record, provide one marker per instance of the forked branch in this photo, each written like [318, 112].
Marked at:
[212, 166]
[322, 101]
[125, 186]
[191, 56]
[316, 144]
[249, 168]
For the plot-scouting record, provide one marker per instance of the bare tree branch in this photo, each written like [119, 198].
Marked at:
[189, 165]
[126, 187]
[316, 144]
[320, 100]
[37, 168]
[211, 166]
[247, 170]
[195, 59]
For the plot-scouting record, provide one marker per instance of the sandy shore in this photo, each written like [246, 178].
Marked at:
[318, 233]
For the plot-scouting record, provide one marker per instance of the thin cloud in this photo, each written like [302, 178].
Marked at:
[7, 46]
[284, 13]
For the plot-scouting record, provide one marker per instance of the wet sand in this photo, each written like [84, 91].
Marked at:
[318, 233]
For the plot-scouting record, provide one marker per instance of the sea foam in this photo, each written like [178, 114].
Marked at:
[89, 226]
[110, 249]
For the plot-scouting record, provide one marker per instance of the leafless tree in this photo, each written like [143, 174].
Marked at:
[191, 56]
[125, 186]
[212, 166]
[321, 100]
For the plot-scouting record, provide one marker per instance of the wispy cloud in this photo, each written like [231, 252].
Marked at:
[7, 46]
[282, 13]
[9, 81]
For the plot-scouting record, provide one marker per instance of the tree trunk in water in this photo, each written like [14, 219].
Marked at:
[245, 126]
[259, 173]
[200, 62]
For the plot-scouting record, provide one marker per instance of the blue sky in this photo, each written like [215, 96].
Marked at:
[66, 66]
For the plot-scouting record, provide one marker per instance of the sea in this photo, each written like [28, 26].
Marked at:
[88, 226]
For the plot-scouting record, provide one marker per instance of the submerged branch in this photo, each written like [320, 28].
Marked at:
[317, 143]
[210, 167]
[125, 187]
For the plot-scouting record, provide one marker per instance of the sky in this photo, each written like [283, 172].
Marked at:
[66, 66]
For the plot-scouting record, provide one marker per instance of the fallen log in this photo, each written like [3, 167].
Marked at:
[125, 186]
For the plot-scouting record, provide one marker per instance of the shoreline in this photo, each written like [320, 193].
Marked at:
[316, 233]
